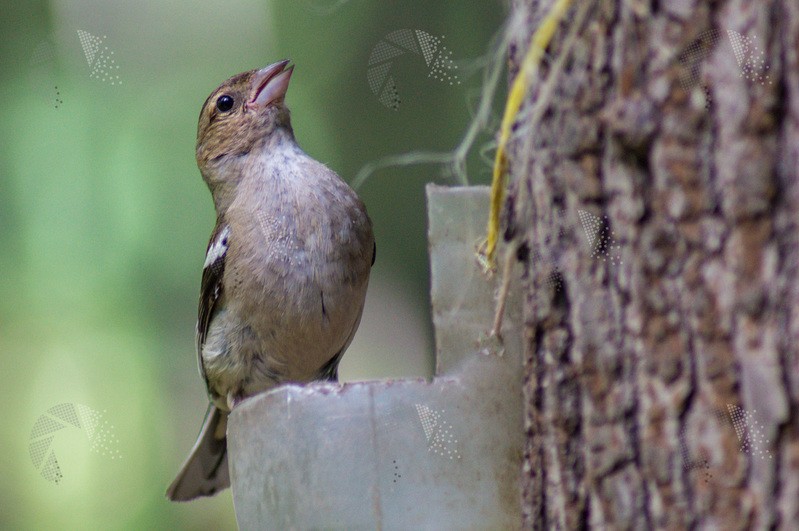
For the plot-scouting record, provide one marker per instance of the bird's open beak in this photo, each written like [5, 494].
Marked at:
[270, 83]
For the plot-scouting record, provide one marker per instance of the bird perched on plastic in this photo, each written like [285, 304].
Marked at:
[286, 270]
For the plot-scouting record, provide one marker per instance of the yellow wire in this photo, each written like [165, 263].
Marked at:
[539, 42]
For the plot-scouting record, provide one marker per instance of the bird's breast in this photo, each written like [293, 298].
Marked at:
[298, 284]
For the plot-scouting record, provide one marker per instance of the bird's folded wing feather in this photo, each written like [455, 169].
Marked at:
[211, 288]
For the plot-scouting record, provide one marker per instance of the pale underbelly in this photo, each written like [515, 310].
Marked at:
[278, 338]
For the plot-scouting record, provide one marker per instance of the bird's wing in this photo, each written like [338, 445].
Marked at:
[211, 288]
[329, 370]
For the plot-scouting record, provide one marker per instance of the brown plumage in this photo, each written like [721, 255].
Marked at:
[286, 269]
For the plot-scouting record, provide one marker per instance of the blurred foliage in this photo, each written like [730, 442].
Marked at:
[105, 218]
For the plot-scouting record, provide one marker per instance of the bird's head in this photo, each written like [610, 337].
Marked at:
[242, 112]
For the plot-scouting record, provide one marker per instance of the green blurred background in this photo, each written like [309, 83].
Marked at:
[105, 220]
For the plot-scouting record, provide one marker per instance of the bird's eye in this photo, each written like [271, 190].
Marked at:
[224, 103]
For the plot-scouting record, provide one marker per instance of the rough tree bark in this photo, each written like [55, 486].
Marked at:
[646, 342]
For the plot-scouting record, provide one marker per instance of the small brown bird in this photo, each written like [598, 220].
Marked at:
[286, 270]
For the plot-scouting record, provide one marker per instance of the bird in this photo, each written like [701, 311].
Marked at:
[286, 269]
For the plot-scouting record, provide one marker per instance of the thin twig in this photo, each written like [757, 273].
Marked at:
[502, 298]
[536, 113]
[538, 44]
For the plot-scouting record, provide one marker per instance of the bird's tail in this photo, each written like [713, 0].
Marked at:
[205, 472]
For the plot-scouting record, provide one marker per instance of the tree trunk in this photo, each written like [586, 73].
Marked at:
[657, 204]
